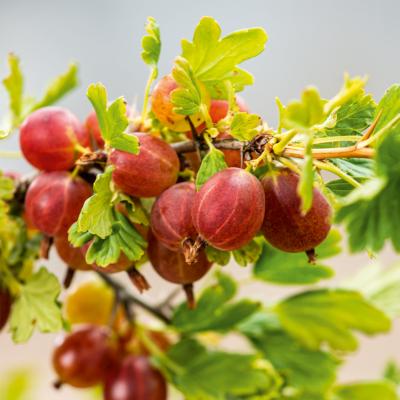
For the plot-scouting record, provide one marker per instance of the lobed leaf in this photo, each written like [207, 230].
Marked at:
[328, 316]
[36, 307]
[244, 126]
[213, 162]
[151, 43]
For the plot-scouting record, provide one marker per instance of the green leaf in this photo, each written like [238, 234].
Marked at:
[244, 126]
[215, 59]
[339, 187]
[392, 372]
[381, 286]
[123, 239]
[113, 120]
[187, 98]
[58, 88]
[249, 253]
[352, 118]
[6, 187]
[97, 215]
[304, 113]
[358, 168]
[328, 316]
[304, 369]
[14, 84]
[389, 106]
[279, 267]
[151, 43]
[381, 390]
[36, 306]
[213, 162]
[371, 213]
[217, 256]
[214, 311]
[211, 375]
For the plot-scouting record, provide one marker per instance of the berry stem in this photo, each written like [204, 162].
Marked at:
[131, 299]
[152, 77]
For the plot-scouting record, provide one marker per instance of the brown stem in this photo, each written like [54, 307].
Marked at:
[45, 246]
[68, 278]
[129, 298]
[138, 279]
[312, 256]
[191, 302]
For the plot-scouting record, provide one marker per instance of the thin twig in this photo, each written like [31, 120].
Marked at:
[129, 298]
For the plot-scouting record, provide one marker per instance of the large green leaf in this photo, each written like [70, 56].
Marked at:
[329, 316]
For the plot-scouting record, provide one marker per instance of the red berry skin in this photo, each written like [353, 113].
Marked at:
[93, 129]
[48, 138]
[229, 209]
[5, 306]
[82, 358]
[171, 265]
[171, 215]
[284, 225]
[54, 200]
[72, 256]
[135, 379]
[148, 173]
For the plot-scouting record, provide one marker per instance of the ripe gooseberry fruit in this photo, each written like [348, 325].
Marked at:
[229, 209]
[148, 173]
[5, 306]
[135, 379]
[171, 215]
[82, 358]
[162, 106]
[89, 303]
[172, 266]
[93, 130]
[54, 200]
[72, 256]
[49, 138]
[284, 226]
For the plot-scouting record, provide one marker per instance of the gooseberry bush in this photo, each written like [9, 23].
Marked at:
[189, 184]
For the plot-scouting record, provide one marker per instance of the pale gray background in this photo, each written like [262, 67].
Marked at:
[310, 42]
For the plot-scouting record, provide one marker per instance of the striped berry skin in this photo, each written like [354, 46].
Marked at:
[54, 200]
[135, 379]
[148, 173]
[171, 215]
[284, 226]
[229, 209]
[49, 136]
[171, 265]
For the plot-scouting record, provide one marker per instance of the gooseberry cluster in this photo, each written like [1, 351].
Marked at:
[193, 180]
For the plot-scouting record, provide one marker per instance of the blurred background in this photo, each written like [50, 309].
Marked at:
[310, 42]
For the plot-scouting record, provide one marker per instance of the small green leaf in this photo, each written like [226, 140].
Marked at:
[214, 311]
[58, 88]
[340, 187]
[304, 113]
[215, 59]
[329, 316]
[36, 306]
[151, 43]
[187, 98]
[212, 163]
[381, 390]
[97, 215]
[123, 239]
[244, 126]
[249, 253]
[304, 369]
[392, 372]
[211, 375]
[217, 256]
[113, 120]
[389, 106]
[14, 84]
